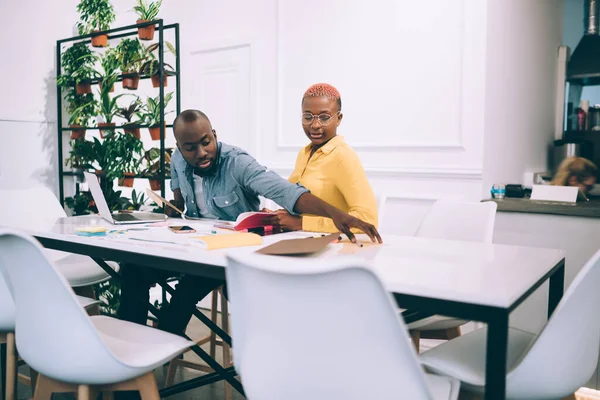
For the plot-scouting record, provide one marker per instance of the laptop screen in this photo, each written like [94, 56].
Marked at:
[98, 196]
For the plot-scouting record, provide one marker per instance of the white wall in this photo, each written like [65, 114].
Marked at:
[522, 42]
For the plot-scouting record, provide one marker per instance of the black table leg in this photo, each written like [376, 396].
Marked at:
[496, 349]
[557, 287]
[3, 361]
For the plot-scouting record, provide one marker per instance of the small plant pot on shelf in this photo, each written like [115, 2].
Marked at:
[127, 180]
[77, 134]
[105, 132]
[112, 88]
[155, 131]
[83, 88]
[155, 184]
[132, 131]
[146, 32]
[131, 81]
[100, 40]
[156, 80]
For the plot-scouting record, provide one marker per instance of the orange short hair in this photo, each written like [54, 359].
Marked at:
[323, 90]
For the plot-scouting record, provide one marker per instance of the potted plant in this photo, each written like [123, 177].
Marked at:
[151, 114]
[128, 113]
[108, 106]
[81, 155]
[78, 68]
[129, 54]
[110, 65]
[95, 15]
[151, 159]
[104, 160]
[151, 66]
[146, 13]
[81, 204]
[137, 201]
[126, 149]
[81, 117]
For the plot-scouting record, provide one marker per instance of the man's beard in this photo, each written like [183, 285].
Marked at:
[206, 171]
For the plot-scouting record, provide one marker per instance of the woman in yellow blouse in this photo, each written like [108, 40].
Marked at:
[328, 166]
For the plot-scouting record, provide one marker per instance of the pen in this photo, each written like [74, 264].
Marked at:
[149, 240]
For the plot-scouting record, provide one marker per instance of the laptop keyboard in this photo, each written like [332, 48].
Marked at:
[124, 217]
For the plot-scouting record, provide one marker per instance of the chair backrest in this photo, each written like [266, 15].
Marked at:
[7, 308]
[54, 334]
[459, 220]
[565, 354]
[303, 329]
[29, 206]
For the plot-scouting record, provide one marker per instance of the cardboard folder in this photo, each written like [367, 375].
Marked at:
[295, 247]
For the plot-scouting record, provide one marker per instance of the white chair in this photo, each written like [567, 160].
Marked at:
[76, 352]
[299, 327]
[452, 220]
[37, 206]
[552, 365]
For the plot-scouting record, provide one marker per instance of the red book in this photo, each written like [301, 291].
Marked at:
[247, 220]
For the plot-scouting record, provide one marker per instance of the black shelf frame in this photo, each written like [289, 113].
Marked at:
[117, 33]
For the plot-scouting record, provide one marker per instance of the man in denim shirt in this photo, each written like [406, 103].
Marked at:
[232, 180]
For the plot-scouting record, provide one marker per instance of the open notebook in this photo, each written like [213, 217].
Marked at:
[247, 220]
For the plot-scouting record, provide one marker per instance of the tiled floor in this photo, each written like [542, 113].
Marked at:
[211, 392]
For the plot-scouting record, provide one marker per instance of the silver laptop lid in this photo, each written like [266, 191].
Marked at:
[98, 195]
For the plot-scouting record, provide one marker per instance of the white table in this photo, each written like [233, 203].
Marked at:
[466, 280]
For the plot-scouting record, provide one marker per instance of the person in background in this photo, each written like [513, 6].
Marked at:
[576, 171]
[328, 166]
[213, 179]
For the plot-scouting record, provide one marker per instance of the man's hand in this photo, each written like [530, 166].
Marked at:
[286, 221]
[344, 222]
[172, 213]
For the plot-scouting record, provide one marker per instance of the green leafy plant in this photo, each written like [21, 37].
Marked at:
[129, 55]
[126, 150]
[108, 106]
[78, 65]
[81, 204]
[151, 162]
[150, 113]
[85, 113]
[130, 111]
[81, 155]
[94, 15]
[109, 293]
[110, 65]
[147, 11]
[150, 65]
[104, 159]
[137, 200]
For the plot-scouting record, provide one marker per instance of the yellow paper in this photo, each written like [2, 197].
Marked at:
[213, 242]
[91, 229]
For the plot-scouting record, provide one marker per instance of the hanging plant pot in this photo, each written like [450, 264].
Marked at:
[146, 32]
[131, 81]
[77, 133]
[155, 184]
[155, 131]
[104, 132]
[132, 131]
[127, 180]
[100, 40]
[83, 88]
[156, 80]
[112, 88]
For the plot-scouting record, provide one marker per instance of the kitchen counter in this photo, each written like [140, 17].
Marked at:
[590, 209]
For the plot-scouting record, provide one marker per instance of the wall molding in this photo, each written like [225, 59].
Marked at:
[438, 146]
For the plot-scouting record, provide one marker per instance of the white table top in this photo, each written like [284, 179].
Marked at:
[493, 275]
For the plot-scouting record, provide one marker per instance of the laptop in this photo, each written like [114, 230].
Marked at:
[118, 218]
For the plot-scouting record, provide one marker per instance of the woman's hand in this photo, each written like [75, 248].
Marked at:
[286, 221]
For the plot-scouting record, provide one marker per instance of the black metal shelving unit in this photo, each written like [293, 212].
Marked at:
[117, 33]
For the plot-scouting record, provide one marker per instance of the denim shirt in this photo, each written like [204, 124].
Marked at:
[235, 186]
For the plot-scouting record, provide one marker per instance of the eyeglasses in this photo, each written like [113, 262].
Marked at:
[324, 119]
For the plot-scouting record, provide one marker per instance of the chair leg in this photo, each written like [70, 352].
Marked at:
[146, 384]
[226, 348]
[11, 367]
[452, 333]
[83, 392]
[416, 339]
[43, 389]
[33, 375]
[3, 366]
[171, 373]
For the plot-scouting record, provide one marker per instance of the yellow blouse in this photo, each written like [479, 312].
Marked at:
[335, 174]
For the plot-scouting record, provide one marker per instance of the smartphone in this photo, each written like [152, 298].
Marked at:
[182, 229]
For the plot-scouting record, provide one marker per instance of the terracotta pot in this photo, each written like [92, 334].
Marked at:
[147, 32]
[105, 125]
[131, 81]
[100, 40]
[156, 80]
[99, 172]
[127, 180]
[83, 88]
[112, 88]
[155, 132]
[77, 133]
[132, 131]
[155, 184]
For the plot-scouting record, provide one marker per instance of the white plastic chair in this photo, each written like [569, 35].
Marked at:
[38, 206]
[299, 327]
[453, 220]
[76, 351]
[552, 365]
